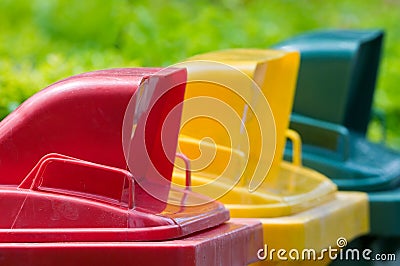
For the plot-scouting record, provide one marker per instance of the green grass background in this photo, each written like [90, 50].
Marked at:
[42, 41]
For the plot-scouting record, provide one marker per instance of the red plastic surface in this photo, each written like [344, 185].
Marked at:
[65, 199]
[233, 243]
[82, 117]
[84, 194]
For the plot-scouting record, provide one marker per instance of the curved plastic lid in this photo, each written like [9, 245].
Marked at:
[228, 111]
[351, 161]
[293, 190]
[66, 199]
[337, 75]
[287, 188]
[90, 198]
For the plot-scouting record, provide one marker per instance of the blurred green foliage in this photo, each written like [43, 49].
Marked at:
[42, 41]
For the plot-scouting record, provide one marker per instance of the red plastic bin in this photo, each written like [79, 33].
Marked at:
[66, 193]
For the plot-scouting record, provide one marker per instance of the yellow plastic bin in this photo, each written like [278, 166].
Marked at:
[223, 132]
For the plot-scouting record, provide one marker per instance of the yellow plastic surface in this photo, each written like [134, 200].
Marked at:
[345, 216]
[275, 72]
[218, 164]
[298, 207]
[293, 190]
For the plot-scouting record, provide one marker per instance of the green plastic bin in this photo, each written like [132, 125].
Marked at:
[332, 110]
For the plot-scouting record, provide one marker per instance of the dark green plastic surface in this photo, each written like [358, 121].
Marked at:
[385, 213]
[331, 113]
[337, 75]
